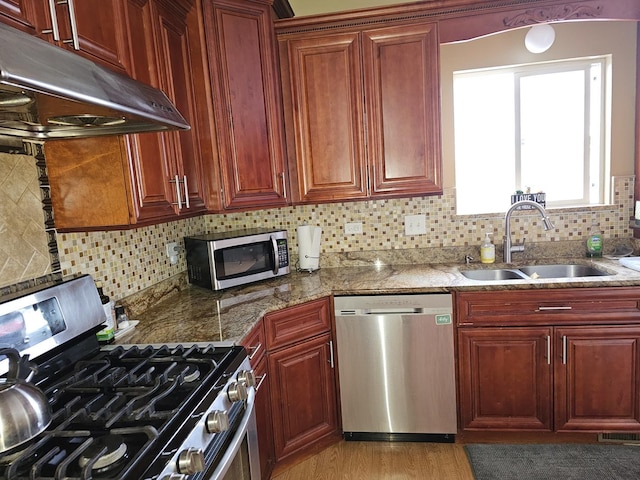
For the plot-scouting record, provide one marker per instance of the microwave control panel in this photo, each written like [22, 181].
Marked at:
[283, 252]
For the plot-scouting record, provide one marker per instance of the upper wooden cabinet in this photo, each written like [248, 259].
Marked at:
[362, 112]
[248, 105]
[92, 28]
[25, 15]
[120, 182]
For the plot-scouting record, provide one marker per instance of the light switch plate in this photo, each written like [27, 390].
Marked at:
[415, 224]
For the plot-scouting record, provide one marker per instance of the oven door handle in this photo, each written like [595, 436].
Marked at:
[247, 424]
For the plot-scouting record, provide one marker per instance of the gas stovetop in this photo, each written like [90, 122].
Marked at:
[114, 414]
[127, 412]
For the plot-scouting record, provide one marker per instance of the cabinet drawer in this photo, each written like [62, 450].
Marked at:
[549, 306]
[255, 344]
[294, 324]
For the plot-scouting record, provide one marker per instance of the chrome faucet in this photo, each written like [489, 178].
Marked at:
[508, 247]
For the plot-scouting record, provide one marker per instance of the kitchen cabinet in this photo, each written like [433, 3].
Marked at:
[23, 14]
[255, 344]
[552, 360]
[92, 28]
[120, 182]
[248, 104]
[362, 111]
[302, 378]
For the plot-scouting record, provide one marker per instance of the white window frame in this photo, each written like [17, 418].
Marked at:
[596, 173]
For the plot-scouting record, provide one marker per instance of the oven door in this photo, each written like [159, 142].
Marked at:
[241, 460]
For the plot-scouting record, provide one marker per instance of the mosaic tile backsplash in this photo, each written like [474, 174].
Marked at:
[130, 261]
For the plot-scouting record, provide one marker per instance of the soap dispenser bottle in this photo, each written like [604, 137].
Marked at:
[487, 250]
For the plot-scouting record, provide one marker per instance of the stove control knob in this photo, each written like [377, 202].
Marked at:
[247, 377]
[237, 392]
[217, 421]
[191, 461]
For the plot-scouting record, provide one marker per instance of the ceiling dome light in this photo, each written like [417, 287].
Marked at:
[540, 38]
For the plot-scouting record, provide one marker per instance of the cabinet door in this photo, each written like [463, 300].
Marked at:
[303, 389]
[247, 102]
[505, 378]
[322, 84]
[93, 28]
[26, 15]
[597, 378]
[402, 92]
[178, 80]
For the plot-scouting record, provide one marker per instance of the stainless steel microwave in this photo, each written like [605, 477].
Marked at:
[227, 259]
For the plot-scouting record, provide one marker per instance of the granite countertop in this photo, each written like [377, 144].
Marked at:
[193, 314]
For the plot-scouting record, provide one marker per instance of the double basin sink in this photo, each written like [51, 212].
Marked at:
[532, 272]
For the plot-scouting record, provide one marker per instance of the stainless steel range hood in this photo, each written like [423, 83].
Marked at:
[48, 93]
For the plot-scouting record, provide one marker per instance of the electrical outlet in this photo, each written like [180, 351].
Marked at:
[415, 224]
[352, 228]
[172, 249]
[172, 252]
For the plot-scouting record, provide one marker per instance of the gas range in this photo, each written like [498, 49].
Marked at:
[165, 412]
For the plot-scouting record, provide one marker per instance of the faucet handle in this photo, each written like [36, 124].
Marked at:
[519, 247]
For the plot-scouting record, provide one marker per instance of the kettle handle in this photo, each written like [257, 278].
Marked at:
[17, 365]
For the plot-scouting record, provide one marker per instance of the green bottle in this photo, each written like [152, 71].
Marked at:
[595, 244]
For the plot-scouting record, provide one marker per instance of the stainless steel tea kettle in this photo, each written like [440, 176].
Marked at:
[24, 410]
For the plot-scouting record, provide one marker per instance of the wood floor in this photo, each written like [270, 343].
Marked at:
[383, 461]
[409, 461]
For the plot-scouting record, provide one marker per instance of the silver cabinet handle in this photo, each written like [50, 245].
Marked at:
[176, 180]
[548, 339]
[331, 353]
[542, 309]
[75, 40]
[261, 379]
[564, 349]
[254, 351]
[284, 186]
[186, 191]
[54, 22]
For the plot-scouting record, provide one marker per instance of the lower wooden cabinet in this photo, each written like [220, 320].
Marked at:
[291, 352]
[568, 377]
[303, 395]
[254, 342]
[596, 378]
[505, 381]
[304, 402]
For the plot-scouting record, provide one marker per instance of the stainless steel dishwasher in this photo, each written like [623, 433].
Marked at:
[396, 367]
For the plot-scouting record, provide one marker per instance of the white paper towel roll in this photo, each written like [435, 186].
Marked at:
[309, 247]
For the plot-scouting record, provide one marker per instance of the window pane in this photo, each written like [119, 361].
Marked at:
[484, 148]
[552, 134]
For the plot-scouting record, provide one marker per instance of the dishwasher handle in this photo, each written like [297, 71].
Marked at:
[388, 311]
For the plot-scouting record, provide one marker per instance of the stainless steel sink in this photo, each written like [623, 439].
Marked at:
[534, 271]
[562, 271]
[493, 274]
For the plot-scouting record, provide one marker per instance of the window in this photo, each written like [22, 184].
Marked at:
[537, 127]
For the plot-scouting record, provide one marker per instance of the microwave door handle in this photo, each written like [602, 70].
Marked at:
[276, 259]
